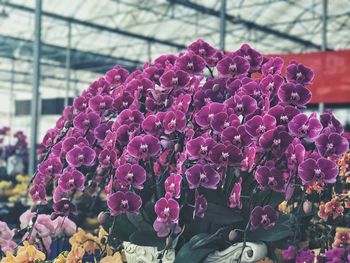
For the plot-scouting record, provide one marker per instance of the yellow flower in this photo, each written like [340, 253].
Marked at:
[284, 207]
[61, 259]
[103, 238]
[116, 258]
[76, 254]
[89, 242]
[28, 254]
[9, 258]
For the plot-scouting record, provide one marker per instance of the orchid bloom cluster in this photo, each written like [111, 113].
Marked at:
[20, 146]
[185, 123]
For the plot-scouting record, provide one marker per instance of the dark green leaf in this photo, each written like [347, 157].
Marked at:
[147, 238]
[123, 228]
[194, 255]
[221, 215]
[209, 239]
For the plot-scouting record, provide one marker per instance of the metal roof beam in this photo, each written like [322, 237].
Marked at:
[249, 24]
[97, 26]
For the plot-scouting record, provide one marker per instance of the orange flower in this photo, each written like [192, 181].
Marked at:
[76, 254]
[9, 258]
[29, 254]
[88, 241]
[342, 237]
[116, 258]
[332, 208]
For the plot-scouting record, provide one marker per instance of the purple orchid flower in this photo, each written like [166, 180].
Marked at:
[200, 205]
[271, 84]
[124, 202]
[303, 126]
[51, 167]
[263, 216]
[294, 94]
[173, 185]
[38, 193]
[122, 101]
[257, 125]
[332, 144]
[199, 147]
[167, 210]
[71, 179]
[70, 142]
[107, 158]
[295, 154]
[330, 123]
[174, 121]
[283, 114]
[233, 66]
[190, 63]
[79, 156]
[116, 76]
[80, 103]
[225, 155]
[153, 124]
[100, 103]
[272, 67]
[298, 73]
[202, 176]
[236, 136]
[174, 79]
[131, 175]
[64, 207]
[163, 229]
[321, 170]
[202, 48]
[143, 147]
[270, 179]
[241, 105]
[275, 141]
[254, 58]
[128, 117]
[205, 115]
[84, 121]
[235, 195]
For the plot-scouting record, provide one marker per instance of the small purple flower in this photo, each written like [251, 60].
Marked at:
[173, 185]
[298, 73]
[84, 121]
[38, 192]
[276, 141]
[131, 175]
[330, 123]
[174, 79]
[271, 84]
[225, 155]
[72, 179]
[263, 216]
[332, 144]
[80, 103]
[200, 205]
[270, 179]
[190, 63]
[153, 124]
[257, 125]
[101, 130]
[116, 76]
[236, 136]
[122, 101]
[294, 94]
[233, 66]
[70, 142]
[202, 175]
[174, 121]
[163, 229]
[283, 114]
[199, 147]
[290, 253]
[295, 154]
[204, 116]
[143, 146]
[254, 58]
[321, 170]
[305, 255]
[241, 105]
[124, 202]
[202, 48]
[51, 167]
[100, 103]
[303, 126]
[273, 66]
[129, 117]
[335, 254]
[64, 207]
[167, 210]
[235, 195]
[79, 156]
[107, 158]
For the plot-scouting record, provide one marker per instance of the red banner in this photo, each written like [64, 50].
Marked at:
[332, 74]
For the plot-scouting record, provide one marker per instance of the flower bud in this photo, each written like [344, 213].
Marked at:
[307, 207]
[54, 216]
[102, 217]
[232, 235]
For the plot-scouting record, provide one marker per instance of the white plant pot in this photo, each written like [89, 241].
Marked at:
[252, 253]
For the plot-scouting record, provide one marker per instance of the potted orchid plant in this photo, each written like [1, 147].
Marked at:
[196, 153]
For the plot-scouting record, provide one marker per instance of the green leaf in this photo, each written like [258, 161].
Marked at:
[147, 238]
[123, 228]
[221, 215]
[195, 255]
[279, 231]
[209, 239]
